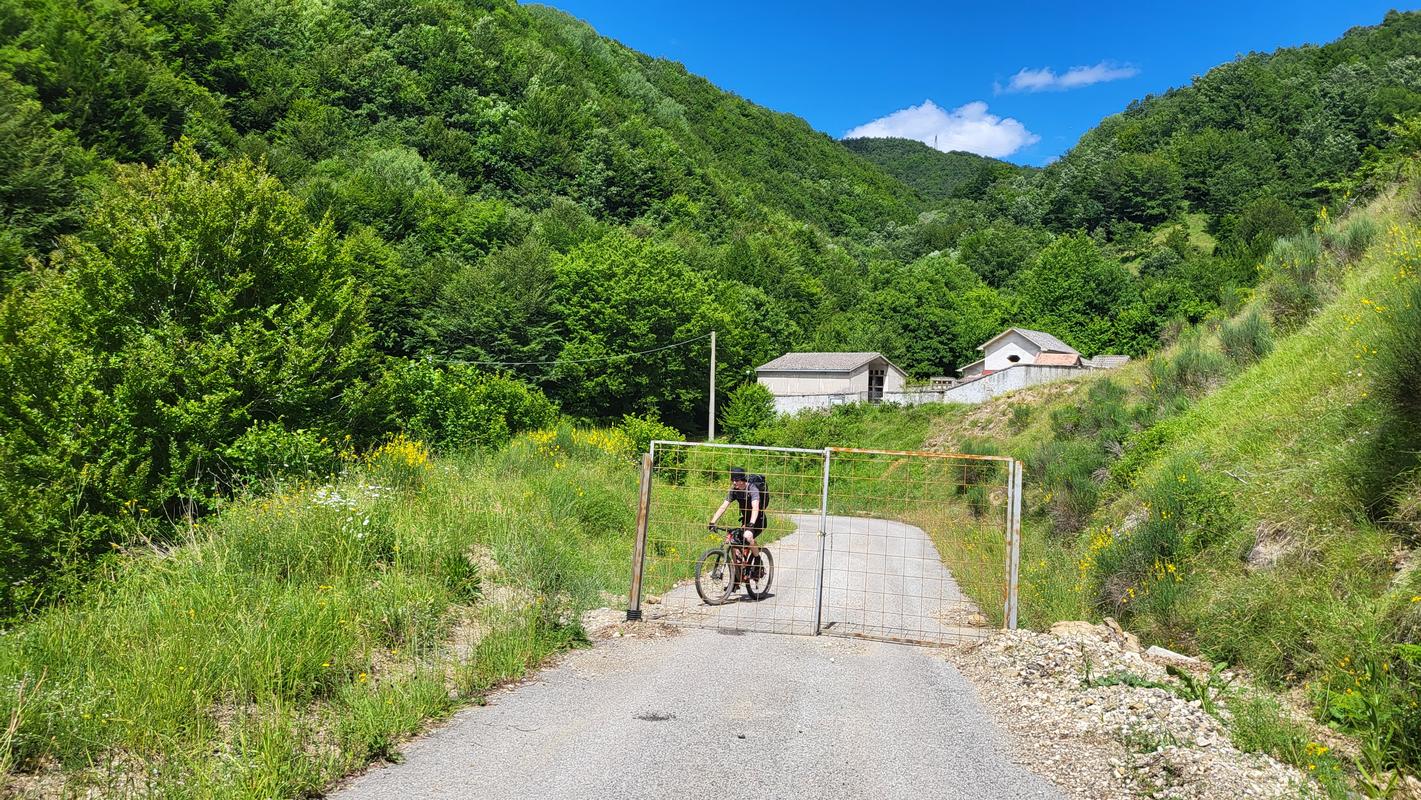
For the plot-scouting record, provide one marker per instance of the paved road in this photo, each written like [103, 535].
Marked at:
[708, 714]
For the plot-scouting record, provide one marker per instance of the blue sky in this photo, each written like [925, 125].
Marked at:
[845, 65]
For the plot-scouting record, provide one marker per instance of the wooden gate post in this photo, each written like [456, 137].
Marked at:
[643, 509]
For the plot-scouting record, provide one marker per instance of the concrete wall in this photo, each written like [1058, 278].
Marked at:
[793, 404]
[997, 383]
[1013, 344]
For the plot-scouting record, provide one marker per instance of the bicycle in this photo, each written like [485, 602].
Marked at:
[723, 568]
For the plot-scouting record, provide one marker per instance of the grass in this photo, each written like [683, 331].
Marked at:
[1309, 463]
[1196, 226]
[875, 426]
[1259, 724]
[299, 636]
[1294, 432]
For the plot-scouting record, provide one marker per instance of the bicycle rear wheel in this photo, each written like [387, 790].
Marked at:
[714, 576]
[759, 574]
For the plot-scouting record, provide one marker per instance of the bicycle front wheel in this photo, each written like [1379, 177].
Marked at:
[714, 576]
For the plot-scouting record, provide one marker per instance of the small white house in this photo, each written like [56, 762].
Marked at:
[1021, 347]
[821, 380]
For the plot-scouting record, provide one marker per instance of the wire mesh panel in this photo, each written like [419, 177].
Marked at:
[778, 590]
[918, 545]
[915, 547]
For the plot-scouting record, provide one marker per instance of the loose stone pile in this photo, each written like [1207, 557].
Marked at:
[1078, 704]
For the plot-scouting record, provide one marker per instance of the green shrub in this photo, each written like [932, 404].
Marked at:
[979, 478]
[1375, 694]
[198, 300]
[1067, 472]
[461, 576]
[401, 463]
[1020, 417]
[1186, 375]
[456, 407]
[748, 409]
[1387, 485]
[1142, 446]
[1247, 339]
[1105, 417]
[268, 451]
[1259, 724]
[1397, 365]
[1291, 271]
[1350, 239]
[1404, 506]
[1186, 510]
[643, 430]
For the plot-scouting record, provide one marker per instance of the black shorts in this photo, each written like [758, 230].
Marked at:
[759, 526]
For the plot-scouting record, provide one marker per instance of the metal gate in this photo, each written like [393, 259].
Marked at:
[902, 546]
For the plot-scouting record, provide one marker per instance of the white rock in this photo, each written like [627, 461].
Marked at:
[1163, 654]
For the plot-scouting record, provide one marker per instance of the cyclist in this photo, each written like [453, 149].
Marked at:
[752, 516]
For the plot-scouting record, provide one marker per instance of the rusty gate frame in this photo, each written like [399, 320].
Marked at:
[1011, 569]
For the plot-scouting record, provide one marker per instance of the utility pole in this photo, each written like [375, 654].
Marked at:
[710, 414]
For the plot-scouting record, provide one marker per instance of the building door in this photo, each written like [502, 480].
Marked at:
[875, 385]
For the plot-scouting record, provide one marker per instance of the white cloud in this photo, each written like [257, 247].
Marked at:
[1046, 79]
[969, 127]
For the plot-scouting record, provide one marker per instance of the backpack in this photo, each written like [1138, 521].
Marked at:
[758, 481]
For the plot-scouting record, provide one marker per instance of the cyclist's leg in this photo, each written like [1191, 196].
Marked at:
[752, 553]
[752, 531]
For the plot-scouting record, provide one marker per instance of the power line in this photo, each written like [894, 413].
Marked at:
[616, 357]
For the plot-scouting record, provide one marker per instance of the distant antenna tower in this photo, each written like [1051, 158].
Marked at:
[934, 141]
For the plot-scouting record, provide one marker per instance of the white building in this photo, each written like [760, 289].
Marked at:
[1013, 359]
[1021, 347]
[821, 380]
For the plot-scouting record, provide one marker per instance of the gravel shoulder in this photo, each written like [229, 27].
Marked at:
[1114, 742]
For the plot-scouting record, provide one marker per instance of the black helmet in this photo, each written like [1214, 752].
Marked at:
[737, 474]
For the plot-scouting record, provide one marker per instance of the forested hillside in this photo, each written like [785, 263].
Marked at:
[932, 173]
[240, 240]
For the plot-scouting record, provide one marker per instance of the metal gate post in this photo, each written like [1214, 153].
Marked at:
[823, 541]
[643, 509]
[1013, 543]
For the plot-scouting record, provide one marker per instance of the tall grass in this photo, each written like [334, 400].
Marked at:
[1259, 724]
[1193, 370]
[1292, 268]
[300, 635]
[1246, 339]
